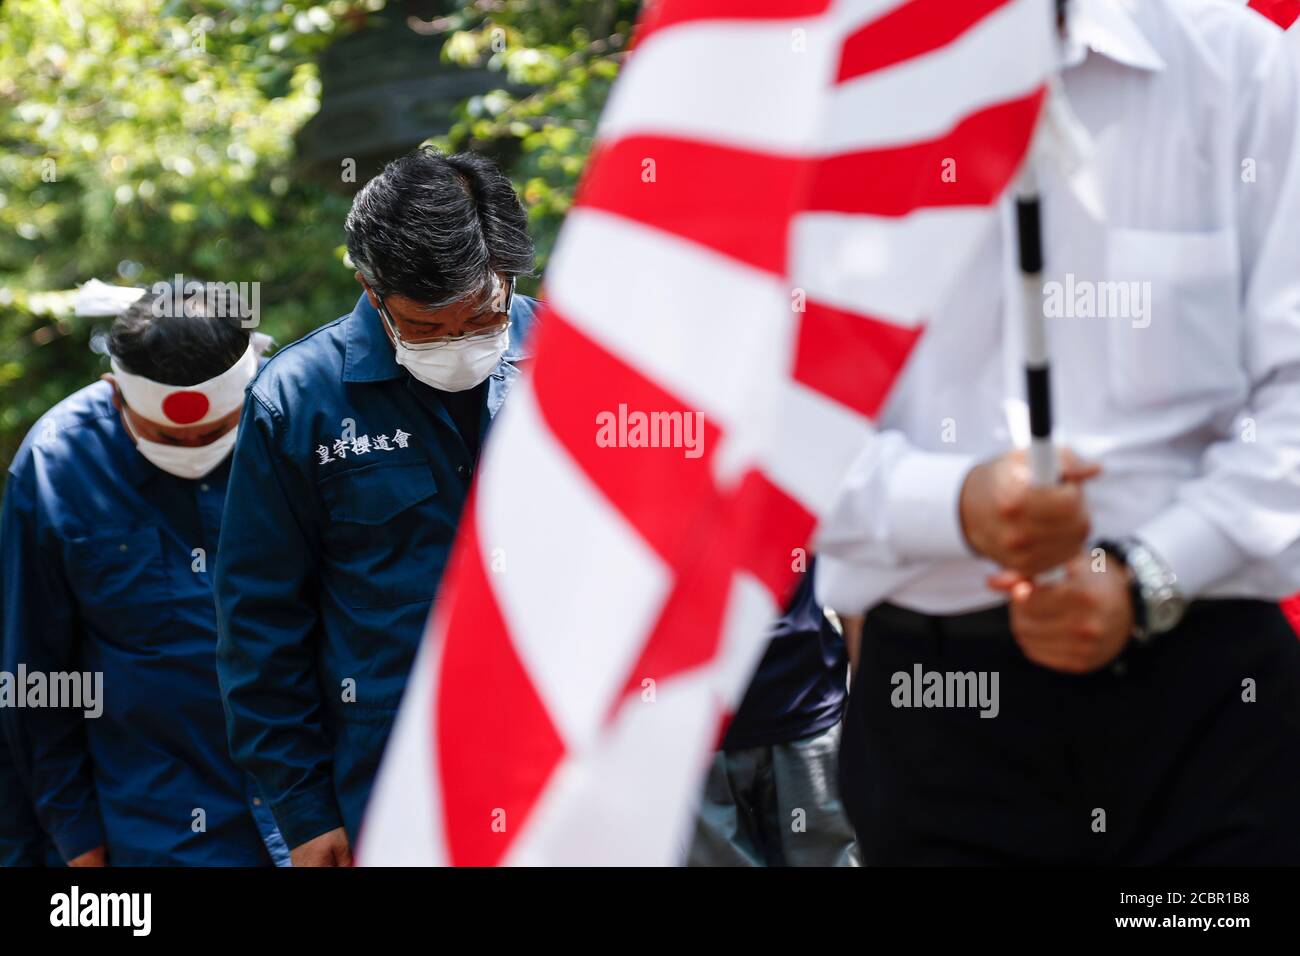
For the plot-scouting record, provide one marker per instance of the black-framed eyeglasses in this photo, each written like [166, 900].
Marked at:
[477, 334]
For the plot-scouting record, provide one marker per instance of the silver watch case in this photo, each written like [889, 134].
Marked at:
[1163, 604]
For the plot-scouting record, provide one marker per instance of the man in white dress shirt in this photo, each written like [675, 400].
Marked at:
[1146, 709]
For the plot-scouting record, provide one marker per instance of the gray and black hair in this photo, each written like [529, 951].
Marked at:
[179, 346]
[434, 228]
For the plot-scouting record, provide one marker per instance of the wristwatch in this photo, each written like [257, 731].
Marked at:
[1158, 605]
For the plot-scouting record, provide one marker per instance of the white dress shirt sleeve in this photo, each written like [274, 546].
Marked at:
[897, 505]
[1244, 506]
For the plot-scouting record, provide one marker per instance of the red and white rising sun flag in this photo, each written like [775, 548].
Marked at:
[780, 193]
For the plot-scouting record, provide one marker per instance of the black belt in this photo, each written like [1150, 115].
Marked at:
[994, 622]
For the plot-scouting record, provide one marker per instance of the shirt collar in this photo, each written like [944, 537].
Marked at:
[1109, 28]
[127, 460]
[369, 356]
[134, 465]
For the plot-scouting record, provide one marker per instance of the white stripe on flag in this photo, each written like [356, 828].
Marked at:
[403, 815]
[925, 97]
[629, 800]
[581, 825]
[706, 327]
[814, 439]
[895, 270]
[763, 87]
[749, 88]
[750, 610]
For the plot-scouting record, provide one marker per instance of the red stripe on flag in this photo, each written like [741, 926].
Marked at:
[770, 526]
[735, 201]
[850, 357]
[739, 202]
[496, 744]
[1282, 12]
[666, 13]
[913, 29]
[982, 152]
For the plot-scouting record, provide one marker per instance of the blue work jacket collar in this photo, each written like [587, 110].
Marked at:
[134, 466]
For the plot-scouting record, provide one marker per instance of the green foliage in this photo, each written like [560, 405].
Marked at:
[139, 139]
[558, 61]
[144, 138]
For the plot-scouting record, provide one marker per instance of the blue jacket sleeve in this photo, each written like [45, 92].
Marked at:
[266, 584]
[22, 841]
[40, 630]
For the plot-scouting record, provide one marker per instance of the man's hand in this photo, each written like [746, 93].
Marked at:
[1076, 625]
[96, 857]
[328, 849]
[1021, 526]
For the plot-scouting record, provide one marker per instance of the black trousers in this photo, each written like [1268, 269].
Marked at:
[1183, 769]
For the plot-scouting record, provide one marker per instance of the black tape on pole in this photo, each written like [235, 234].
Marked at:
[1039, 393]
[1030, 230]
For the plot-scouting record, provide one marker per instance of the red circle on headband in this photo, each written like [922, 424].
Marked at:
[185, 408]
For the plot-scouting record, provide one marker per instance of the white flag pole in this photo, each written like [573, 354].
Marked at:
[1063, 141]
[1038, 368]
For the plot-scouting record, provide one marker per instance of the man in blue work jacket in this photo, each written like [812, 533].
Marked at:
[353, 464]
[111, 516]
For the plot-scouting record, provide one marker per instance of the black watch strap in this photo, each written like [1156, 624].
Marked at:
[1119, 551]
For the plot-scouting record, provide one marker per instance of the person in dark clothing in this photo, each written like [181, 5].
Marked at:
[771, 797]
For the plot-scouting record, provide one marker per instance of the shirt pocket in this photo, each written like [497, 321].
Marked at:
[120, 582]
[378, 541]
[1181, 336]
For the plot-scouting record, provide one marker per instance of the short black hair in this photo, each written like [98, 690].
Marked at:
[183, 346]
[434, 228]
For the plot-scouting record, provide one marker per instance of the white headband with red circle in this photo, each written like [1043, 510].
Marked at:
[171, 404]
[188, 404]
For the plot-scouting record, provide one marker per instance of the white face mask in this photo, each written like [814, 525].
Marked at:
[456, 366]
[185, 462]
